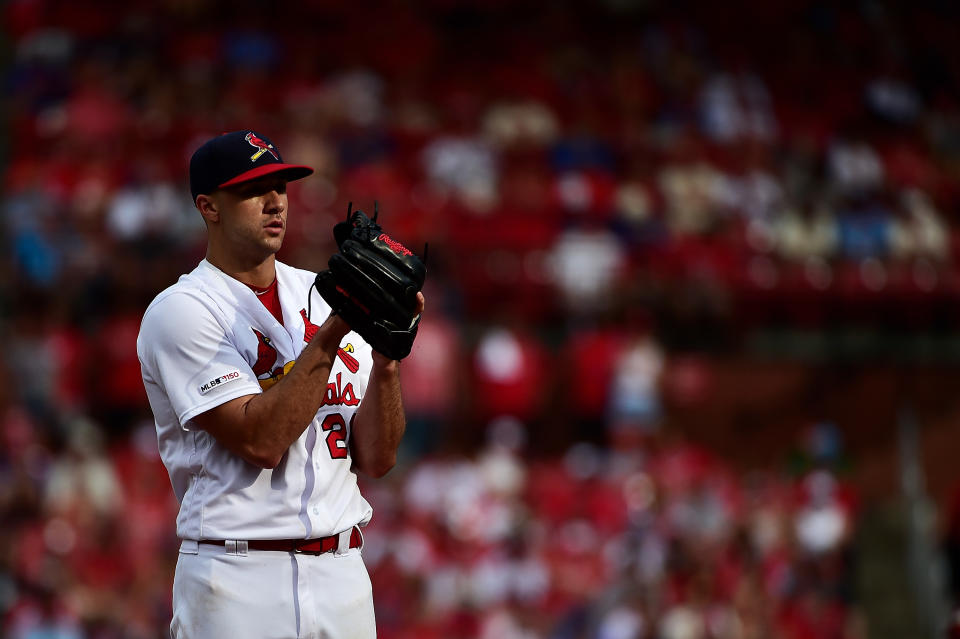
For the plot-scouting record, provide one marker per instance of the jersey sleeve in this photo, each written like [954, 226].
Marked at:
[185, 350]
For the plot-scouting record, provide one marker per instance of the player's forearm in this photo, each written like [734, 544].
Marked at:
[260, 428]
[379, 422]
[278, 416]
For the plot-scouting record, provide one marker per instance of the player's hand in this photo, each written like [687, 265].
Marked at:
[421, 302]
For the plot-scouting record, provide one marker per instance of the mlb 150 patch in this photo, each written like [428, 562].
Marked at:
[219, 381]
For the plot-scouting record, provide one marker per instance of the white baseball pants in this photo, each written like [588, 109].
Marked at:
[263, 594]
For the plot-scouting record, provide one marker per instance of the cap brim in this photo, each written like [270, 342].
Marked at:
[290, 172]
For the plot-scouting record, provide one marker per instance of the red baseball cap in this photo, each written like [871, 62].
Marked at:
[237, 157]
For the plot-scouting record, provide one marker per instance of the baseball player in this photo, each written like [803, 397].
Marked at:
[266, 403]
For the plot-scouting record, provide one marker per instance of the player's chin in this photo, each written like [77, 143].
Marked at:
[267, 247]
[273, 238]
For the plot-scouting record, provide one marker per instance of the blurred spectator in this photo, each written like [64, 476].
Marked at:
[510, 375]
[464, 167]
[635, 385]
[920, 232]
[587, 264]
[153, 209]
[893, 99]
[82, 478]
[520, 124]
[855, 167]
[807, 235]
[736, 107]
[590, 359]
[431, 384]
[822, 523]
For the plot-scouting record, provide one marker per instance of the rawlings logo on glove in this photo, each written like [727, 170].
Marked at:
[372, 283]
[395, 245]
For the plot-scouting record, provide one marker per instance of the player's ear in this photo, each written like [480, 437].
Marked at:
[208, 208]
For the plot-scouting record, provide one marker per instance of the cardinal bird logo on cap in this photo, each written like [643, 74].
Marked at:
[261, 146]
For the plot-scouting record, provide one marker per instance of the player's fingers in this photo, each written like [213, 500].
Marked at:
[420, 302]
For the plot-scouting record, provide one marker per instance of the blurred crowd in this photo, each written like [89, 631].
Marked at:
[602, 185]
[644, 538]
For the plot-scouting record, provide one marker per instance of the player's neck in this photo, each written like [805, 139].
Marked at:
[260, 274]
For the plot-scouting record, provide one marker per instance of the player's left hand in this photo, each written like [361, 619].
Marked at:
[421, 302]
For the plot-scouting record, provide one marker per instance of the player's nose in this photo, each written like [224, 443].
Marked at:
[273, 202]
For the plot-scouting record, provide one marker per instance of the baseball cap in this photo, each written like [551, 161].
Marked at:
[237, 157]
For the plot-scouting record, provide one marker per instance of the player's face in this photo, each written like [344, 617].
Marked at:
[253, 216]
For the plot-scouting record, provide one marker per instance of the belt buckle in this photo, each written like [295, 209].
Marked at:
[298, 547]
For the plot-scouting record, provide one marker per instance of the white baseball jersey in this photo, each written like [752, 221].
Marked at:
[208, 339]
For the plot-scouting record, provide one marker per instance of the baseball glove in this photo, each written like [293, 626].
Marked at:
[372, 283]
